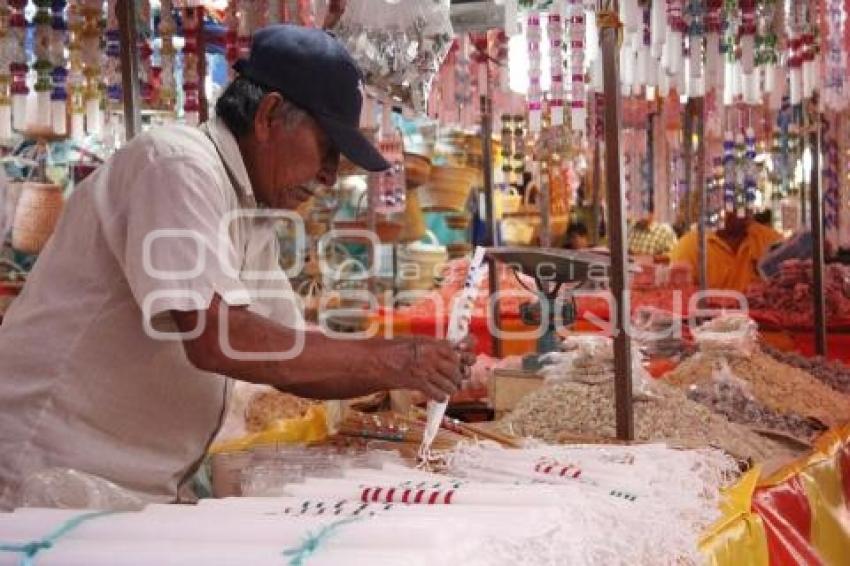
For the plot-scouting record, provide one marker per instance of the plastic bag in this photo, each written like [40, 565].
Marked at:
[590, 360]
[64, 488]
[729, 334]
[399, 46]
[260, 414]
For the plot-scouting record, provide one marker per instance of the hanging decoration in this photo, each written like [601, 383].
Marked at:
[578, 91]
[231, 36]
[167, 29]
[835, 71]
[534, 96]
[42, 66]
[696, 40]
[750, 169]
[145, 36]
[463, 81]
[191, 80]
[76, 78]
[729, 167]
[6, 41]
[555, 28]
[713, 32]
[18, 66]
[59, 74]
[831, 180]
[507, 148]
[519, 139]
[92, 10]
[389, 186]
[112, 77]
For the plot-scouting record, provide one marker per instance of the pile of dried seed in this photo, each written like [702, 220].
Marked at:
[778, 386]
[556, 411]
[830, 372]
[731, 400]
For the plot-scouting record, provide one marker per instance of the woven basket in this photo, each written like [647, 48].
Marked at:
[459, 250]
[417, 170]
[522, 228]
[36, 216]
[448, 189]
[457, 221]
[413, 219]
[419, 263]
[508, 202]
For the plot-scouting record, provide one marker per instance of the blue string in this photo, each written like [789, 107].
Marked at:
[29, 550]
[312, 542]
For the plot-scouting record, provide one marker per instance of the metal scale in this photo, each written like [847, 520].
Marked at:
[552, 269]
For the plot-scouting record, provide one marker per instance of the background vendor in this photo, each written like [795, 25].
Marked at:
[733, 251]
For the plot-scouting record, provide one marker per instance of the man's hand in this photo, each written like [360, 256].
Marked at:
[325, 368]
[430, 366]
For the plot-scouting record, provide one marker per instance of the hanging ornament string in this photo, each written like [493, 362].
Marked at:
[6, 49]
[534, 96]
[555, 28]
[42, 66]
[76, 79]
[113, 133]
[167, 29]
[59, 73]
[191, 81]
[18, 66]
[231, 37]
[91, 64]
[578, 85]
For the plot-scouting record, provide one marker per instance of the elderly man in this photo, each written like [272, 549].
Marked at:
[161, 285]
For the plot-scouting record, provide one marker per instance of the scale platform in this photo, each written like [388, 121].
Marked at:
[553, 265]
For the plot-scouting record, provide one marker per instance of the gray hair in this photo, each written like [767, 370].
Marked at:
[237, 106]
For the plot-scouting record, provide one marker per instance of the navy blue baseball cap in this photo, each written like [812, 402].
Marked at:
[314, 71]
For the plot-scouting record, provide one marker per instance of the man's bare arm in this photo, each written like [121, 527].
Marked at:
[326, 368]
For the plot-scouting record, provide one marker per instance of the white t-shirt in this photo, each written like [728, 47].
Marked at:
[83, 384]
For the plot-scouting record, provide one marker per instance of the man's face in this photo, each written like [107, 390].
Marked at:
[735, 225]
[290, 162]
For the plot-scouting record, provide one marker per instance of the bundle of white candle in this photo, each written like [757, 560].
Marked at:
[540, 505]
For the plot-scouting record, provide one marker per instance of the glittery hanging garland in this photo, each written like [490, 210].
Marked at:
[832, 189]
[729, 173]
[578, 89]
[92, 70]
[59, 72]
[6, 39]
[18, 65]
[834, 92]
[534, 96]
[555, 28]
[191, 80]
[167, 29]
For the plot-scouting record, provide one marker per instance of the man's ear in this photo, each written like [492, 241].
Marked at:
[266, 114]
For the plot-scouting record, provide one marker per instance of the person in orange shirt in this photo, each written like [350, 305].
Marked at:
[733, 251]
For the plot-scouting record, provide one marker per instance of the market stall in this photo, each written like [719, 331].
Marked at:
[625, 407]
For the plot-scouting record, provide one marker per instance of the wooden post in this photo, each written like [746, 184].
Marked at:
[617, 223]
